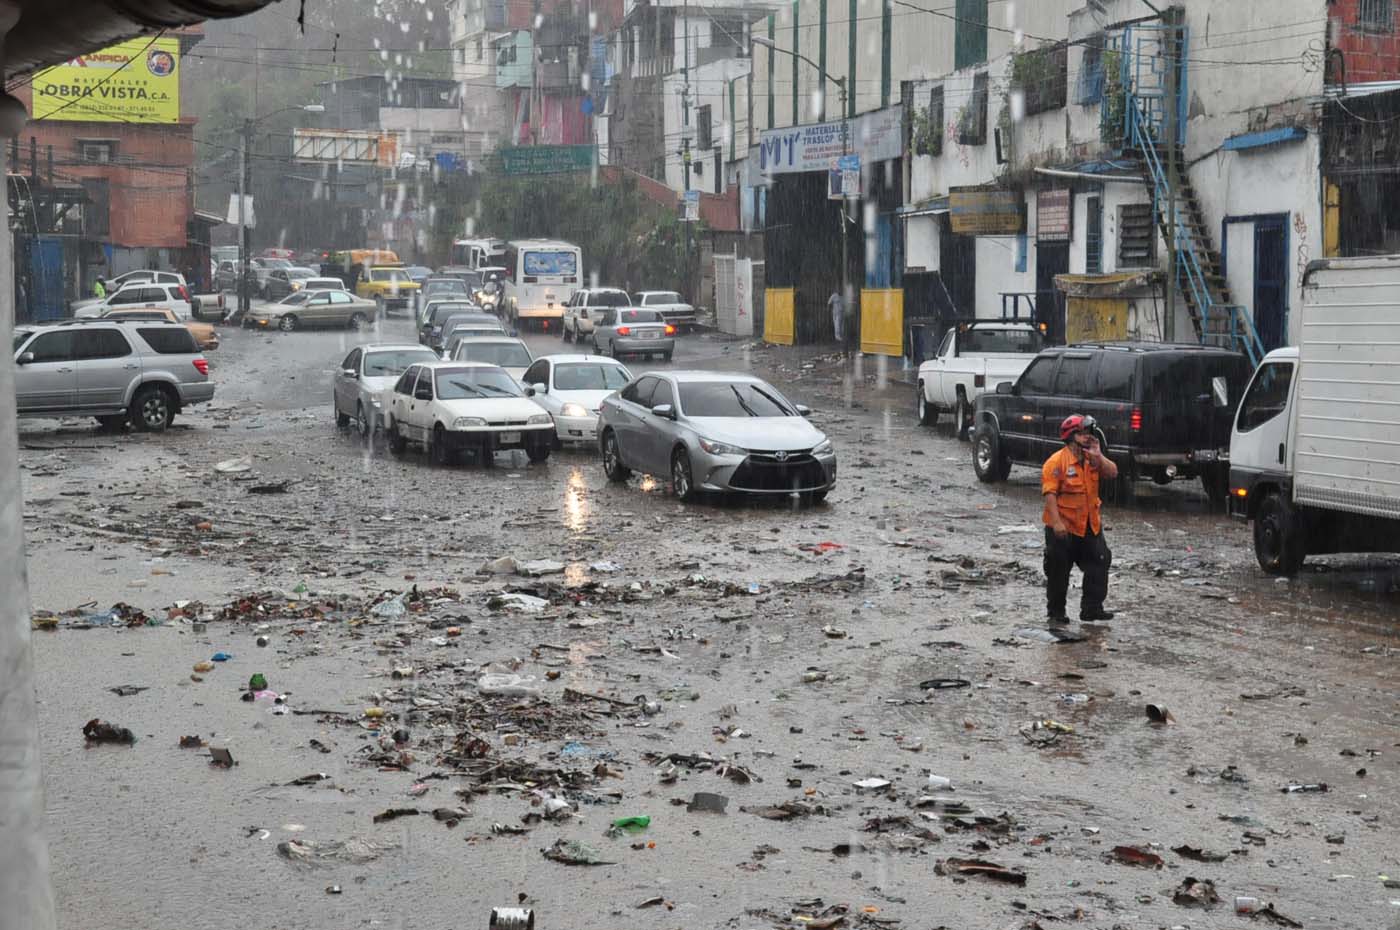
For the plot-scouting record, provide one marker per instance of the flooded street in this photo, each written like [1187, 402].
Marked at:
[812, 665]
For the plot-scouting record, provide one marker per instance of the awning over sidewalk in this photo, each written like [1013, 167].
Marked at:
[1105, 286]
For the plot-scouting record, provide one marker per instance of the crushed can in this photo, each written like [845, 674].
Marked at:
[512, 918]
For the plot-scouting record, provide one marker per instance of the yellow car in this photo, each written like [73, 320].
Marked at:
[388, 286]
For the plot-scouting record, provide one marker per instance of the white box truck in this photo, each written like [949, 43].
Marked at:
[1315, 450]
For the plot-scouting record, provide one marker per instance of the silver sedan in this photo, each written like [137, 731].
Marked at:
[619, 331]
[715, 431]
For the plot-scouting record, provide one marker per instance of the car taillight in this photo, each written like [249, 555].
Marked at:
[670, 330]
[184, 294]
[202, 364]
[979, 380]
[624, 330]
[1135, 421]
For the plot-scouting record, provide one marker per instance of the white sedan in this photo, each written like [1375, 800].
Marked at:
[365, 375]
[448, 407]
[508, 352]
[571, 387]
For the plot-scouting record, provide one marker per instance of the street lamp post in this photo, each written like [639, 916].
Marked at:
[840, 83]
[245, 142]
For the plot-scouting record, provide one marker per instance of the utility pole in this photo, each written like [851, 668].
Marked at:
[846, 294]
[244, 140]
[24, 857]
[1173, 46]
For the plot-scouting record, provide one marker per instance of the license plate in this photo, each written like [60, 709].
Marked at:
[1207, 455]
[648, 332]
[507, 438]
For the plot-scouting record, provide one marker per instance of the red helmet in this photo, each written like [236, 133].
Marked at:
[1074, 423]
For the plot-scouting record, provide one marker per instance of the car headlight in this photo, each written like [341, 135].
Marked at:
[539, 418]
[721, 448]
[377, 401]
[573, 410]
[824, 448]
[467, 422]
[296, 285]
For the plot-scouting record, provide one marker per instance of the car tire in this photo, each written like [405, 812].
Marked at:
[342, 420]
[962, 417]
[988, 460]
[152, 409]
[597, 350]
[538, 452]
[682, 478]
[366, 427]
[612, 459]
[113, 422]
[397, 444]
[438, 452]
[1278, 537]
[287, 323]
[564, 332]
[357, 321]
[817, 497]
[612, 349]
[928, 413]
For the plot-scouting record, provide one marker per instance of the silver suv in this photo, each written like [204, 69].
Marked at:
[143, 371]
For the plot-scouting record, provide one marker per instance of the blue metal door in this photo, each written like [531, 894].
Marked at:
[1271, 282]
[46, 301]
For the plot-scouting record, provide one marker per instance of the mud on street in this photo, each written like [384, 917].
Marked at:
[433, 740]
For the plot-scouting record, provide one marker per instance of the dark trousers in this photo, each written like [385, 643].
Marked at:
[1091, 554]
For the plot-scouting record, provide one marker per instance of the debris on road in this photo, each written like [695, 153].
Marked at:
[572, 852]
[394, 813]
[707, 802]
[100, 731]
[128, 690]
[980, 868]
[221, 758]
[1198, 855]
[1195, 893]
[1137, 855]
[354, 851]
[1159, 715]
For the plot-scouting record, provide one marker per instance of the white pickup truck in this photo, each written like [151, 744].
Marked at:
[971, 359]
[1315, 452]
[669, 304]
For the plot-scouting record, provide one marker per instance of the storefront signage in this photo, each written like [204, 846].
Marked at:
[1053, 216]
[975, 212]
[132, 82]
[874, 137]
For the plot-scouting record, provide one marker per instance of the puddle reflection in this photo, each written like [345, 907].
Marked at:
[577, 508]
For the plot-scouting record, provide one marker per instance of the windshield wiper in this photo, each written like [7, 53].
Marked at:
[743, 403]
[466, 387]
[774, 400]
[498, 390]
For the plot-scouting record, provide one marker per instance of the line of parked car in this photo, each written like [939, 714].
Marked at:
[706, 431]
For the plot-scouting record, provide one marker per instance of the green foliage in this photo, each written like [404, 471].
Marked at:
[1111, 123]
[627, 239]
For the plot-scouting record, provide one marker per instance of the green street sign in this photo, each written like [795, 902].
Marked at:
[546, 159]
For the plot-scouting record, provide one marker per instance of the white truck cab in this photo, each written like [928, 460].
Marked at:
[1315, 449]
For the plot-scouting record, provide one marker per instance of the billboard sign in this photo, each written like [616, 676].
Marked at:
[131, 82]
[980, 212]
[546, 159]
[1053, 215]
[875, 137]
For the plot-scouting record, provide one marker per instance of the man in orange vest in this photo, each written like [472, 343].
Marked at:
[1069, 481]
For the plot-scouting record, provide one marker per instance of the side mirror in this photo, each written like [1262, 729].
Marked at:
[804, 410]
[1006, 387]
[515, 333]
[349, 372]
[24, 358]
[541, 388]
[665, 411]
[530, 391]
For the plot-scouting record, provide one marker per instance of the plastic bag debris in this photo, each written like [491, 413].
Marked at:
[539, 567]
[355, 851]
[505, 565]
[1136, 855]
[634, 824]
[572, 852]
[1295, 788]
[1195, 893]
[1035, 634]
[391, 608]
[100, 731]
[505, 684]
[980, 868]
[872, 784]
[605, 568]
[128, 690]
[235, 466]
[514, 600]
[221, 657]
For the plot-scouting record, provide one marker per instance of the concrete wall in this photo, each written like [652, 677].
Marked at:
[709, 85]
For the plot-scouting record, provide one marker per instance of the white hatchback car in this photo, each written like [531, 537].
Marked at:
[365, 377]
[571, 387]
[448, 407]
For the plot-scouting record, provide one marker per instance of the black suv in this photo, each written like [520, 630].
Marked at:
[1164, 410]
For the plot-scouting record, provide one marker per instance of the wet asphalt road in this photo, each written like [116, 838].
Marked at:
[1287, 681]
